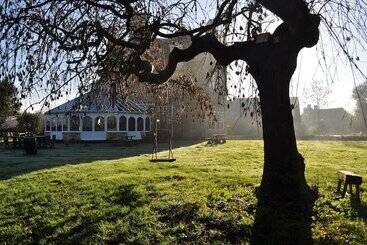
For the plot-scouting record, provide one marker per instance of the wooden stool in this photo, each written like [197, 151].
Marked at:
[349, 178]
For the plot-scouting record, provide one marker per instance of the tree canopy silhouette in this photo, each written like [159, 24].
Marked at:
[360, 97]
[48, 44]
[9, 101]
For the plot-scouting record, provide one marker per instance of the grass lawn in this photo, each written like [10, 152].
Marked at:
[106, 194]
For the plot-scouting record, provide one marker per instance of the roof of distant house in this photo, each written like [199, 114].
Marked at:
[327, 110]
[89, 104]
[332, 110]
[339, 112]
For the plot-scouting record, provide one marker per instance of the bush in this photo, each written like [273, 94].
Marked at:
[30, 123]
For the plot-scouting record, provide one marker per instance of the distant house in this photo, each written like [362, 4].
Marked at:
[326, 121]
[98, 119]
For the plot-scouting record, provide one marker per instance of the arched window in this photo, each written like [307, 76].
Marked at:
[59, 124]
[122, 125]
[140, 124]
[87, 123]
[147, 124]
[111, 123]
[74, 123]
[99, 123]
[132, 124]
[65, 124]
[53, 124]
[48, 125]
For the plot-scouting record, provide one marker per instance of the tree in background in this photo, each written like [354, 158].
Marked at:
[360, 113]
[51, 44]
[318, 93]
[31, 123]
[9, 101]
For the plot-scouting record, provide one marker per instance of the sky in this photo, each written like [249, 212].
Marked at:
[341, 85]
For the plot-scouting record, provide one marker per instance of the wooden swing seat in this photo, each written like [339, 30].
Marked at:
[163, 160]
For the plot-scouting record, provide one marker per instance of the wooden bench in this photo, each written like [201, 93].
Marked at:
[217, 139]
[349, 178]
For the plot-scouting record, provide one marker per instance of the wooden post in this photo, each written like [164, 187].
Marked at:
[357, 193]
[93, 123]
[105, 123]
[80, 123]
[68, 121]
[117, 117]
[339, 185]
[344, 189]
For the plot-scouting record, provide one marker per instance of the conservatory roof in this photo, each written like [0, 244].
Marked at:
[88, 104]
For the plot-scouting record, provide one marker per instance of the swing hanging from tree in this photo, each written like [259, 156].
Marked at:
[169, 129]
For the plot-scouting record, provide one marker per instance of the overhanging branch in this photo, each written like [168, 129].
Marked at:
[302, 25]
[208, 43]
[293, 12]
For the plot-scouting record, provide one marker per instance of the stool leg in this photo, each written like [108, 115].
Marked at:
[344, 189]
[357, 193]
[350, 189]
[339, 186]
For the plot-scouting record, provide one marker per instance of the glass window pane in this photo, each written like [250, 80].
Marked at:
[140, 124]
[122, 123]
[132, 124]
[87, 123]
[147, 124]
[48, 125]
[99, 124]
[111, 123]
[53, 124]
[65, 124]
[59, 124]
[74, 123]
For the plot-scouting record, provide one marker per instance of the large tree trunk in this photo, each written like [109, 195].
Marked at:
[284, 198]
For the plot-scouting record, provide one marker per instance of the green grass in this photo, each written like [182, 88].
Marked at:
[106, 194]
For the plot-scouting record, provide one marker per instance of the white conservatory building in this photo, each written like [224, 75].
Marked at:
[98, 121]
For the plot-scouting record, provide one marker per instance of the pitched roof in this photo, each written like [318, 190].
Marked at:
[332, 110]
[88, 104]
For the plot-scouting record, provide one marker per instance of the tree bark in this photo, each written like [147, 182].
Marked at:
[284, 199]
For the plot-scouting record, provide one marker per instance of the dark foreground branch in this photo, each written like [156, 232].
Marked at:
[208, 43]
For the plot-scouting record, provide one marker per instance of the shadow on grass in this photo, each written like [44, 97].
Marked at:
[126, 195]
[272, 225]
[359, 207]
[188, 226]
[15, 162]
[85, 227]
[355, 144]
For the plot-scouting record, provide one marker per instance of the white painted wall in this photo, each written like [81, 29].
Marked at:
[90, 135]
[58, 134]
